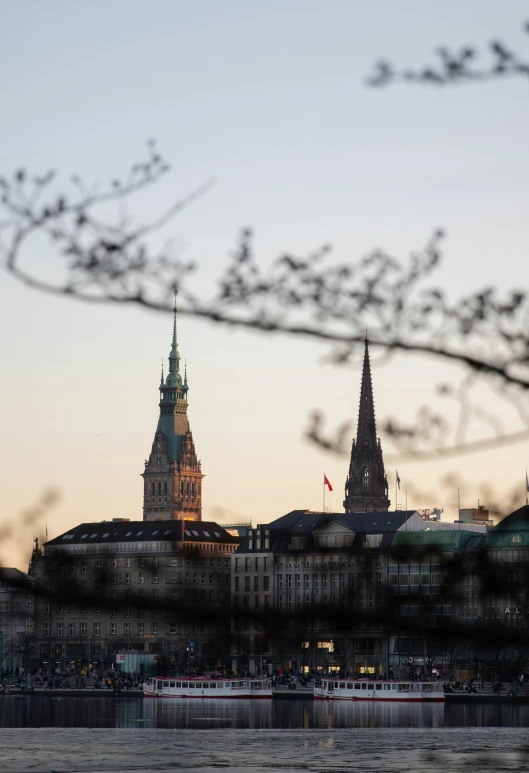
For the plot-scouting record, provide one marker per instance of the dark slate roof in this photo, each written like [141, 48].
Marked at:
[14, 576]
[304, 523]
[144, 531]
[300, 522]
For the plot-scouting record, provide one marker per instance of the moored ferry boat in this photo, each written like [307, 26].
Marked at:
[378, 690]
[201, 687]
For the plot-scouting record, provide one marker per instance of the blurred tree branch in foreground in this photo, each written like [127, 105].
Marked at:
[112, 260]
[457, 66]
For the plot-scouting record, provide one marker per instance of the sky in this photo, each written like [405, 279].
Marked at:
[270, 100]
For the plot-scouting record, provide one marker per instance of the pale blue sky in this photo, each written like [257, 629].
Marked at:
[268, 98]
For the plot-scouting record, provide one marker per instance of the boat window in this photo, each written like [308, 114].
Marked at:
[364, 686]
[205, 684]
[171, 684]
[234, 684]
[179, 684]
[387, 687]
[393, 686]
[227, 684]
[166, 684]
[357, 686]
[191, 685]
[159, 686]
[342, 685]
[325, 685]
[336, 684]
[378, 686]
[198, 685]
[212, 685]
[349, 686]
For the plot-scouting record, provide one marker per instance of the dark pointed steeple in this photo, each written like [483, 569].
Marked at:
[366, 487]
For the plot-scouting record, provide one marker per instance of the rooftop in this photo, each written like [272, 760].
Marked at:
[144, 531]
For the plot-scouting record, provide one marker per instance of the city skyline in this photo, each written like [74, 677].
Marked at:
[304, 153]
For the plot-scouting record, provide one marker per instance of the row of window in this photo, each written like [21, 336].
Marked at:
[333, 580]
[198, 578]
[70, 631]
[416, 579]
[253, 564]
[299, 600]
[252, 583]
[71, 568]
[187, 488]
[306, 562]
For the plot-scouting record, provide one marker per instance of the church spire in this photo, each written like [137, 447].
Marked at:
[366, 487]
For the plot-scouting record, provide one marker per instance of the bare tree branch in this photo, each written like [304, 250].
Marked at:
[459, 66]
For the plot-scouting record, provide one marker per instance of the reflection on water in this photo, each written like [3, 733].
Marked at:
[45, 711]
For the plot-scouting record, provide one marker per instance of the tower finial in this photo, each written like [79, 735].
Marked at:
[366, 338]
[175, 310]
[161, 381]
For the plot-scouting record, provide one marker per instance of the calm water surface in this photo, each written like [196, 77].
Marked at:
[45, 711]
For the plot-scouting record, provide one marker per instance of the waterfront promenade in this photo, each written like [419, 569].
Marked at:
[487, 694]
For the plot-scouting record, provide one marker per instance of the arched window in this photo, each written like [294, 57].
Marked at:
[165, 488]
[365, 480]
[153, 488]
[159, 488]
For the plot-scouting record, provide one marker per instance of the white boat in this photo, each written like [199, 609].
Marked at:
[201, 687]
[378, 690]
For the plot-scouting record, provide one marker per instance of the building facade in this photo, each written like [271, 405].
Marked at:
[135, 586]
[172, 478]
[303, 566]
[17, 619]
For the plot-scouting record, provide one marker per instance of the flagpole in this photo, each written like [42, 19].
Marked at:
[323, 493]
[406, 493]
[396, 481]
[458, 511]
[526, 488]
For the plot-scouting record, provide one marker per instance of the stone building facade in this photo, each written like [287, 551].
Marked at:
[17, 619]
[302, 563]
[353, 591]
[122, 585]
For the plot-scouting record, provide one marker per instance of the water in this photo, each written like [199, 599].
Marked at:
[298, 714]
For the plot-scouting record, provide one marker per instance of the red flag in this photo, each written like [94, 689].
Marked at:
[326, 482]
